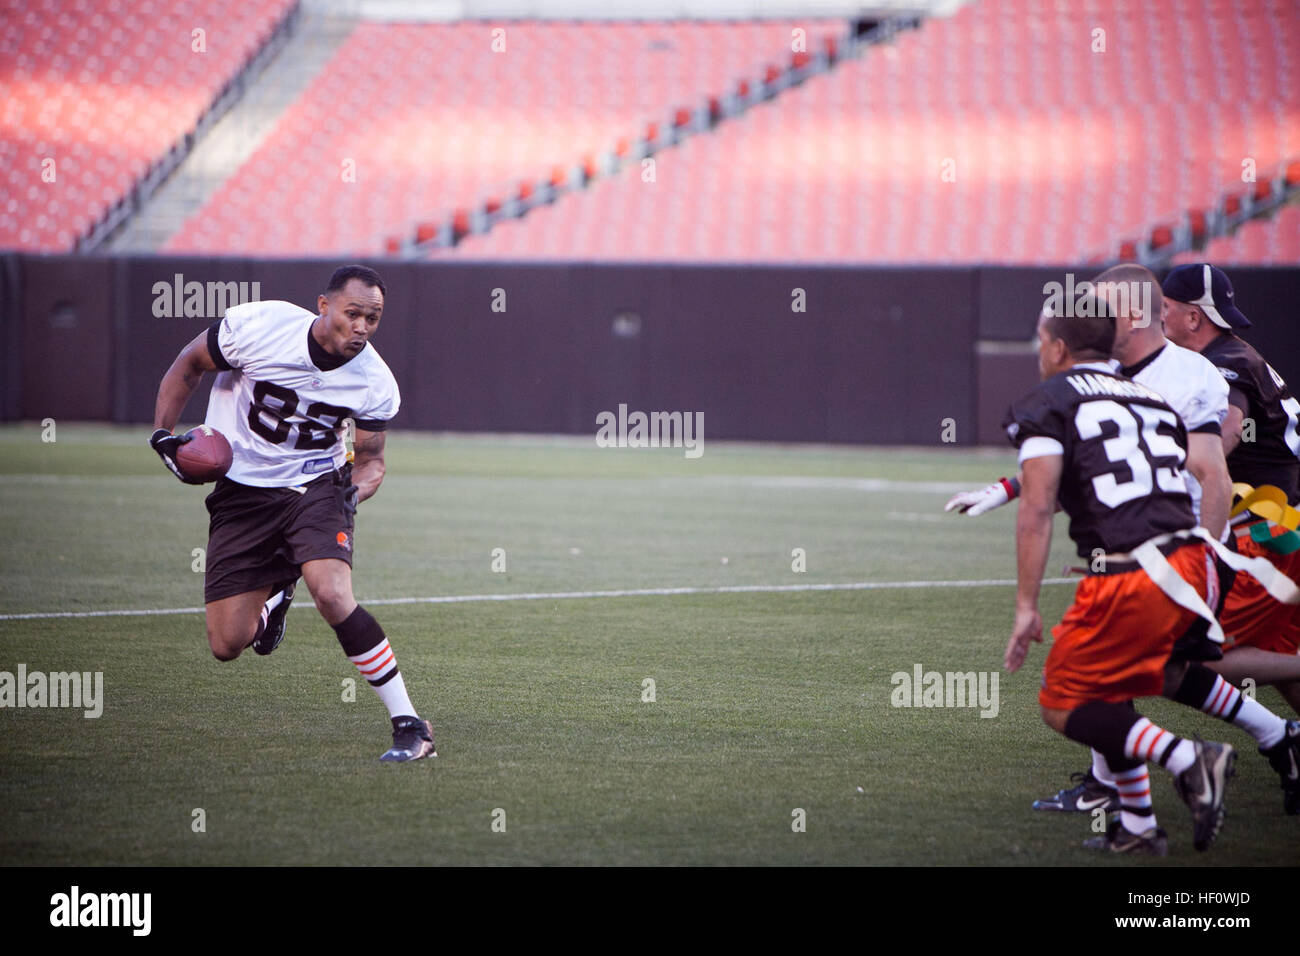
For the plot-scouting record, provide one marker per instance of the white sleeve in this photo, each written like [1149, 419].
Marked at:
[1209, 404]
[1040, 446]
[231, 336]
[383, 401]
[1221, 388]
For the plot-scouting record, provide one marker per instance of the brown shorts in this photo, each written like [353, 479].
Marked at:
[260, 537]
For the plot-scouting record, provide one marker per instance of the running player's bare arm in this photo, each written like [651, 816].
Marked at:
[1042, 480]
[367, 463]
[180, 381]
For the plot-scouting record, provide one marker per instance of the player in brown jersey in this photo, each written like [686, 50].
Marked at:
[1111, 451]
[1261, 441]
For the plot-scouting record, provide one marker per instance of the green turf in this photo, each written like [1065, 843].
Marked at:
[766, 702]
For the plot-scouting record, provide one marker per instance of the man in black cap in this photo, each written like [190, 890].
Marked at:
[1262, 442]
[1200, 314]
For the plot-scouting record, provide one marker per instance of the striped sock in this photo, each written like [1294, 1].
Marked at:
[1146, 741]
[379, 667]
[1135, 811]
[1227, 703]
[378, 664]
[363, 641]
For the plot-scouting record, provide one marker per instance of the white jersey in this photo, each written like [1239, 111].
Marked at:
[283, 414]
[1193, 387]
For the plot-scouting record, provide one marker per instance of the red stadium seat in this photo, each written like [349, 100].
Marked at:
[1051, 154]
[937, 147]
[439, 133]
[460, 223]
[1161, 236]
[106, 90]
[1274, 241]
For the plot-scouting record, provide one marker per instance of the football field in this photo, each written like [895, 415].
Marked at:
[622, 658]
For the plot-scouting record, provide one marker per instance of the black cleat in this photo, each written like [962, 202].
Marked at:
[412, 740]
[1090, 794]
[1201, 787]
[1118, 839]
[1284, 756]
[273, 634]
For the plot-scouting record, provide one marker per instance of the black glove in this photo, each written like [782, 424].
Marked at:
[166, 445]
[348, 492]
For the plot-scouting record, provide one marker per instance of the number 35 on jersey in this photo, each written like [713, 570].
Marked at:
[1123, 451]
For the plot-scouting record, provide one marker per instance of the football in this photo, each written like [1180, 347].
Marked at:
[206, 456]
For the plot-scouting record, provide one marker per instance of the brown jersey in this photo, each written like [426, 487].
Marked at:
[1266, 454]
[1122, 481]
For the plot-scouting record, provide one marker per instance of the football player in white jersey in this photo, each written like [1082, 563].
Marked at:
[1194, 388]
[287, 379]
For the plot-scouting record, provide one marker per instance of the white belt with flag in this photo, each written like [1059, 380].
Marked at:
[1156, 565]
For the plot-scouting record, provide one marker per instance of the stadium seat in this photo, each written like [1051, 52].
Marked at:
[1056, 151]
[106, 90]
[431, 134]
[1266, 242]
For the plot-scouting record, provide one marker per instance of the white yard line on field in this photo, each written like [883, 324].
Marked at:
[774, 482]
[570, 595]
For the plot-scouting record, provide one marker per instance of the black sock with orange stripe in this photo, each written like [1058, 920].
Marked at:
[366, 646]
[1128, 740]
[1103, 726]
[1207, 691]
[1147, 741]
[1135, 810]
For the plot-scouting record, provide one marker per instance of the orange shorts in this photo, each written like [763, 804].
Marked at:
[1251, 617]
[1115, 638]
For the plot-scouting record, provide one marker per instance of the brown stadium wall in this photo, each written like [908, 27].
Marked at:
[11, 333]
[66, 337]
[881, 355]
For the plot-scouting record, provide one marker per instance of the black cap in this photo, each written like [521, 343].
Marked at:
[1207, 288]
